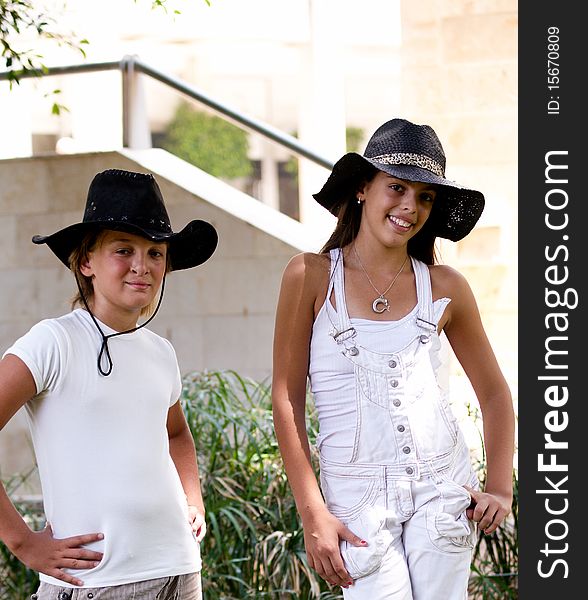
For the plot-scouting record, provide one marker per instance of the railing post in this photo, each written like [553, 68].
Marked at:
[136, 133]
[16, 138]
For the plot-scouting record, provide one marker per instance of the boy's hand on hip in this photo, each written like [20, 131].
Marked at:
[46, 554]
[197, 522]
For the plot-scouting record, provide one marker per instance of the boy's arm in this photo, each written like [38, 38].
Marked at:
[183, 453]
[38, 550]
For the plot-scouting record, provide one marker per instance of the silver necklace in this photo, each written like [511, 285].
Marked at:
[381, 299]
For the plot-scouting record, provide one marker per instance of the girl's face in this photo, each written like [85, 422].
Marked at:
[126, 271]
[395, 209]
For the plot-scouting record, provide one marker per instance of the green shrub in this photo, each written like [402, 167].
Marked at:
[254, 547]
[209, 142]
[495, 566]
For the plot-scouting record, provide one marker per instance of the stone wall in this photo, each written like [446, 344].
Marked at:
[459, 74]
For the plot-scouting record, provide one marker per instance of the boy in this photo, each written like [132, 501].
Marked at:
[116, 459]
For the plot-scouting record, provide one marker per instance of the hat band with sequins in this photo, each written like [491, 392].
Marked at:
[414, 160]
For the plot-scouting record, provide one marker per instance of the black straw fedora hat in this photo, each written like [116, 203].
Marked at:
[414, 153]
[132, 202]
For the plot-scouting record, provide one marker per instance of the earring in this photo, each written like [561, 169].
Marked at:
[359, 200]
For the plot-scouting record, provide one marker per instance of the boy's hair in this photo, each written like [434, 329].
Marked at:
[90, 242]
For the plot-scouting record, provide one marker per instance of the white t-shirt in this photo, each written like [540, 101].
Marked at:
[102, 448]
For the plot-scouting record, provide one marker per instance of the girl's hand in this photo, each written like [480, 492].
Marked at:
[321, 539]
[46, 554]
[487, 509]
[197, 522]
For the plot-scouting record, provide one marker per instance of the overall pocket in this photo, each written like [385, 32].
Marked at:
[448, 526]
[361, 561]
[346, 496]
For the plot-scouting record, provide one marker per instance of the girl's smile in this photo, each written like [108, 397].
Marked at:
[403, 206]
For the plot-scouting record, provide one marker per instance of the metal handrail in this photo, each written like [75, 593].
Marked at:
[132, 63]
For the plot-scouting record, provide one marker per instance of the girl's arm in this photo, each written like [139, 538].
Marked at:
[37, 550]
[293, 326]
[183, 453]
[468, 339]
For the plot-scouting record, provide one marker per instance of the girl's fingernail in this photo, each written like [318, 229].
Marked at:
[363, 543]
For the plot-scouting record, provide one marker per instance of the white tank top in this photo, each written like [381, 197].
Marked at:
[331, 375]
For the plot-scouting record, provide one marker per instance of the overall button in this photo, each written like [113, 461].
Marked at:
[424, 339]
[409, 470]
[394, 383]
[353, 351]
[396, 402]
[406, 450]
[392, 364]
[63, 596]
[90, 595]
[401, 428]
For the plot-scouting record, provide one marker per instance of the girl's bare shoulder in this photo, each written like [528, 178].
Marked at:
[308, 268]
[306, 278]
[447, 282]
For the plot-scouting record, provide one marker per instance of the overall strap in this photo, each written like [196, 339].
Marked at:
[344, 330]
[425, 314]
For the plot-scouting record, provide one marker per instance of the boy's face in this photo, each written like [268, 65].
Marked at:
[126, 271]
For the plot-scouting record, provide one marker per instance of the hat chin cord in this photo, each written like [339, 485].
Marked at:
[104, 350]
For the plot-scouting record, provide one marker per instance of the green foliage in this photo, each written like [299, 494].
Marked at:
[16, 580]
[163, 4]
[495, 563]
[254, 547]
[209, 142]
[354, 137]
[23, 24]
[19, 19]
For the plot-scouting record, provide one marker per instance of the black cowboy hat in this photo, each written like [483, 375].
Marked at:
[414, 153]
[132, 202]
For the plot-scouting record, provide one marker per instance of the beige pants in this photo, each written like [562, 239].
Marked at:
[179, 587]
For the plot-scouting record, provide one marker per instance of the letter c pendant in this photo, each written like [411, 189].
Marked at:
[383, 301]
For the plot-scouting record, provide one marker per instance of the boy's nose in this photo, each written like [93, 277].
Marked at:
[139, 265]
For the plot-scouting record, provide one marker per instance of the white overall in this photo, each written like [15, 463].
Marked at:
[400, 485]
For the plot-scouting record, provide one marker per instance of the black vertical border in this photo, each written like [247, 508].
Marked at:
[540, 133]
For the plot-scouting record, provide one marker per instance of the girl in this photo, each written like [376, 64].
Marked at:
[116, 459]
[397, 516]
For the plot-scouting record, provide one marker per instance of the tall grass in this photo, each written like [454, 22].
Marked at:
[254, 548]
[495, 564]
